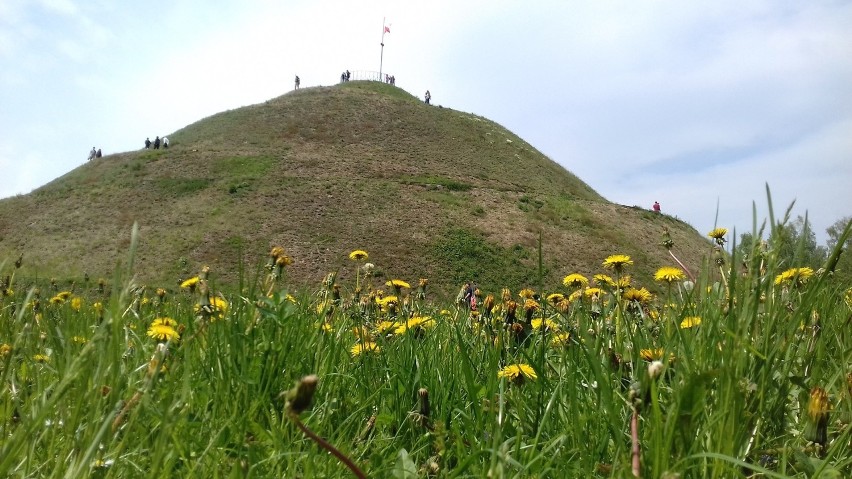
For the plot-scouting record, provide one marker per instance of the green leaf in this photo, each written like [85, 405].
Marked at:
[404, 468]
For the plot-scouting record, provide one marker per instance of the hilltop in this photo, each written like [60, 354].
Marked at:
[428, 191]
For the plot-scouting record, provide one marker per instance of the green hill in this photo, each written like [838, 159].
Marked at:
[427, 191]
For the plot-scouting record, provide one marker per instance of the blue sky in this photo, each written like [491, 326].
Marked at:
[697, 105]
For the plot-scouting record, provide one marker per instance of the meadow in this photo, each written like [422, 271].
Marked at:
[741, 369]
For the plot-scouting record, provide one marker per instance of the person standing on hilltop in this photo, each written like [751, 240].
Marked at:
[165, 142]
[428, 97]
[297, 82]
[92, 154]
[147, 143]
[656, 207]
[99, 154]
[157, 143]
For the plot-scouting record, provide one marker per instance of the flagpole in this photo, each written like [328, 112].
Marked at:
[382, 54]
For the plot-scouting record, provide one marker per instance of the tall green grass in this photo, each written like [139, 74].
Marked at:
[86, 392]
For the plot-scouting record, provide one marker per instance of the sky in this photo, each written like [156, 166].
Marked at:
[697, 105]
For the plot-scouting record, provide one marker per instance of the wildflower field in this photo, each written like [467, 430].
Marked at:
[741, 369]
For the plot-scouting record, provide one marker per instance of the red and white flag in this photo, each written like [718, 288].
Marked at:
[387, 29]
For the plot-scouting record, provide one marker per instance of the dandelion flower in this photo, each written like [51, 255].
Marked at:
[651, 354]
[190, 283]
[555, 298]
[164, 321]
[365, 347]
[398, 283]
[617, 262]
[718, 234]
[526, 293]
[64, 295]
[358, 255]
[41, 358]
[575, 280]
[603, 280]
[217, 308]
[669, 274]
[417, 323]
[548, 324]
[794, 276]
[816, 423]
[592, 292]
[5, 349]
[386, 326]
[640, 295]
[559, 340]
[163, 332]
[517, 372]
[79, 340]
[690, 322]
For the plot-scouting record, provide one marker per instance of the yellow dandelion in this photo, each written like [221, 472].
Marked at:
[162, 332]
[415, 323]
[560, 339]
[365, 347]
[603, 280]
[41, 358]
[555, 298]
[640, 295]
[592, 292]
[517, 372]
[358, 254]
[531, 305]
[326, 327]
[283, 261]
[548, 324]
[718, 234]
[190, 283]
[164, 321]
[64, 295]
[575, 296]
[794, 276]
[161, 293]
[617, 262]
[624, 281]
[386, 326]
[690, 322]
[575, 280]
[57, 300]
[398, 283]
[526, 293]
[79, 340]
[5, 349]
[217, 308]
[669, 274]
[651, 354]
[76, 303]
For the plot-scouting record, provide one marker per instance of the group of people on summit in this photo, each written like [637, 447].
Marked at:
[95, 153]
[157, 142]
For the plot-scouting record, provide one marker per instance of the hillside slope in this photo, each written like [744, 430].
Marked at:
[427, 191]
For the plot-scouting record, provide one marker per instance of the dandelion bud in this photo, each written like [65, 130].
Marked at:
[816, 424]
[299, 398]
[424, 401]
[655, 369]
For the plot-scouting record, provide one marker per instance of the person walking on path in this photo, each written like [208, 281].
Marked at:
[297, 82]
[428, 97]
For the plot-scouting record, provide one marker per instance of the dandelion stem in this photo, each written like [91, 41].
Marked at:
[688, 273]
[328, 447]
[634, 435]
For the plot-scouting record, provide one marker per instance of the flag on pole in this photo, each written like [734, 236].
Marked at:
[387, 29]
